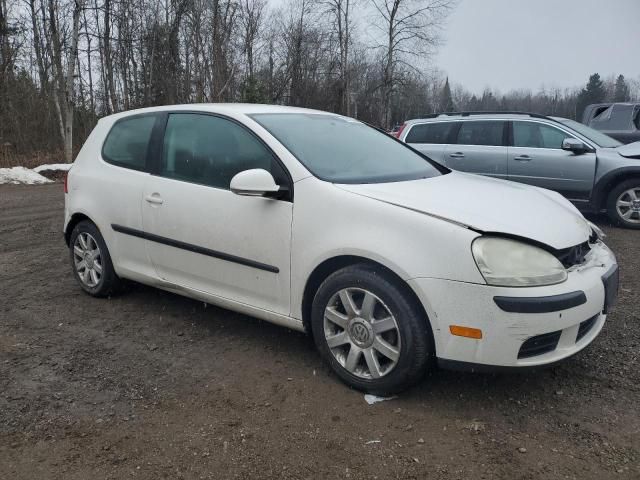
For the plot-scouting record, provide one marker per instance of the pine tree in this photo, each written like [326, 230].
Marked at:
[594, 92]
[621, 92]
[252, 91]
[446, 100]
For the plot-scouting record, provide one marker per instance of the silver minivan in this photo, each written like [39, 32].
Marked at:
[596, 172]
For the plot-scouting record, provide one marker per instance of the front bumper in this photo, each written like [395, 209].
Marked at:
[508, 336]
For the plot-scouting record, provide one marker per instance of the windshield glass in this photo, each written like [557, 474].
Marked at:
[342, 150]
[599, 138]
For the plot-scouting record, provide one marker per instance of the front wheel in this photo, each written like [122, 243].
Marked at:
[623, 204]
[370, 330]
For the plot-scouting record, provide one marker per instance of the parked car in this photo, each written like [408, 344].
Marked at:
[323, 224]
[618, 120]
[596, 172]
[394, 130]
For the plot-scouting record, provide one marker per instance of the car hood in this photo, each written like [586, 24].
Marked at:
[488, 205]
[631, 150]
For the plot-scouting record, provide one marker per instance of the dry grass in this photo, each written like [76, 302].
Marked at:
[32, 160]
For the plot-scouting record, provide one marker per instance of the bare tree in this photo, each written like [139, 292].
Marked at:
[340, 12]
[222, 68]
[411, 29]
[301, 45]
[634, 89]
[63, 66]
[251, 17]
[64, 63]
[107, 58]
[7, 50]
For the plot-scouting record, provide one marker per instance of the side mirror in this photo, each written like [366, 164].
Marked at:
[575, 146]
[256, 182]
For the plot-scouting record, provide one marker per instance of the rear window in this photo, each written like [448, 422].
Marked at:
[430, 133]
[127, 142]
[480, 132]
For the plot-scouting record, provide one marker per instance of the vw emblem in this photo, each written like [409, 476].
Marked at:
[359, 333]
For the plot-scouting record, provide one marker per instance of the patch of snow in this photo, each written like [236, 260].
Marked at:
[372, 441]
[371, 399]
[53, 166]
[21, 175]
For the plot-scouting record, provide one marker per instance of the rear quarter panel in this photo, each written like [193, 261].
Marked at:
[108, 195]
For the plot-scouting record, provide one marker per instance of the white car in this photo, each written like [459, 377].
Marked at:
[323, 224]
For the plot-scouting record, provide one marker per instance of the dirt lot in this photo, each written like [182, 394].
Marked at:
[152, 385]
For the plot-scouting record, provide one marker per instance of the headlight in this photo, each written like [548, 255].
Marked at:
[509, 263]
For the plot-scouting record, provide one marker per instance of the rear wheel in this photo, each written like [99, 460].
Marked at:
[370, 331]
[623, 204]
[91, 261]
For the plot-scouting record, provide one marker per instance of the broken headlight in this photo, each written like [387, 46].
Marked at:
[509, 263]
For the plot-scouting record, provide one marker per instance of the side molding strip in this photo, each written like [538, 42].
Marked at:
[194, 248]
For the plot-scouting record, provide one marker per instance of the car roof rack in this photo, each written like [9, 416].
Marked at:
[488, 112]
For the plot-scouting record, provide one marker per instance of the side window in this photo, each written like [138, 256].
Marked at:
[552, 137]
[210, 150]
[127, 142]
[537, 135]
[481, 133]
[602, 114]
[430, 133]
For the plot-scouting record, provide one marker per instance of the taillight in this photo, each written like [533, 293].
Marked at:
[66, 182]
[400, 130]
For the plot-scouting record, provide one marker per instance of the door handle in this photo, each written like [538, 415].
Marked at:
[523, 158]
[457, 155]
[154, 198]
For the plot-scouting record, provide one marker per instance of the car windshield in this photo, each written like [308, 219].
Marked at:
[599, 138]
[342, 150]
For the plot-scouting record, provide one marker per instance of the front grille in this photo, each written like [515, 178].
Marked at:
[573, 255]
[585, 327]
[545, 343]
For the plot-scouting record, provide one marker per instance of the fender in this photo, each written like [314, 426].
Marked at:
[604, 184]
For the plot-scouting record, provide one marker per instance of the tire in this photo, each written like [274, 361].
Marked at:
[405, 330]
[622, 192]
[104, 281]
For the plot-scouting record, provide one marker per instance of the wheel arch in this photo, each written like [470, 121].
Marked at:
[610, 181]
[75, 219]
[333, 264]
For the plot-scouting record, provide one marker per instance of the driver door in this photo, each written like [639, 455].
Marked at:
[536, 158]
[202, 236]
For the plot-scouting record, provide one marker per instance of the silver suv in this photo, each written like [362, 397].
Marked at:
[596, 172]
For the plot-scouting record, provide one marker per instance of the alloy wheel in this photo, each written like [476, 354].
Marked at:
[362, 333]
[628, 205]
[87, 259]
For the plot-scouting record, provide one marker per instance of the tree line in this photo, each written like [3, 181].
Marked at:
[567, 102]
[66, 63]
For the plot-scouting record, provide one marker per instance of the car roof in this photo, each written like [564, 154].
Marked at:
[482, 116]
[608, 104]
[228, 108]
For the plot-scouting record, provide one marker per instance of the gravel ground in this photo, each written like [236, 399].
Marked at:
[152, 385]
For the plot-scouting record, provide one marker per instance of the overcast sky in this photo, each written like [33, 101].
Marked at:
[511, 44]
